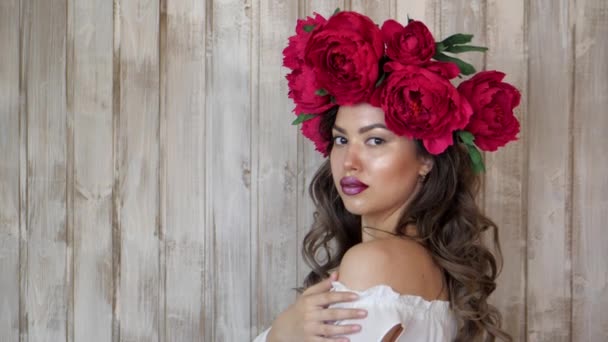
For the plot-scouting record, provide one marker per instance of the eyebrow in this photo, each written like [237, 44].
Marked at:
[362, 129]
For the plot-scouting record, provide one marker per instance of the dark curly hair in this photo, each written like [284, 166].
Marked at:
[449, 225]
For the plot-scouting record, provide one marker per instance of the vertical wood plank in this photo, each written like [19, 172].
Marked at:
[309, 159]
[209, 301]
[228, 147]
[548, 184]
[90, 108]
[590, 184]
[276, 156]
[137, 197]
[276, 168]
[378, 10]
[183, 166]
[505, 178]
[465, 16]
[427, 11]
[47, 270]
[9, 171]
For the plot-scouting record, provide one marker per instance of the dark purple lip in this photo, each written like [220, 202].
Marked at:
[352, 186]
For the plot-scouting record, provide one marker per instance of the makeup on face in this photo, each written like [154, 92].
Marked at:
[352, 186]
[374, 170]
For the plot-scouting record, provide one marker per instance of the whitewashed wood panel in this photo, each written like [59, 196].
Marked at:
[10, 208]
[46, 265]
[427, 11]
[228, 147]
[274, 168]
[182, 140]
[504, 193]
[377, 10]
[140, 298]
[89, 145]
[590, 181]
[548, 182]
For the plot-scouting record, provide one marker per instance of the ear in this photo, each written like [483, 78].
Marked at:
[426, 166]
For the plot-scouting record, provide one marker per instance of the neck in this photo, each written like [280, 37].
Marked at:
[382, 226]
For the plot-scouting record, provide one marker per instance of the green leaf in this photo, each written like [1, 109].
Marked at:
[465, 48]
[303, 117]
[336, 11]
[465, 68]
[466, 137]
[409, 20]
[332, 99]
[381, 79]
[308, 28]
[439, 47]
[321, 92]
[476, 158]
[459, 38]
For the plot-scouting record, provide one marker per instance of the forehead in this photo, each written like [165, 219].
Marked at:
[359, 115]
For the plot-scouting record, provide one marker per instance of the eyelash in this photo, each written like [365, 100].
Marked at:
[378, 141]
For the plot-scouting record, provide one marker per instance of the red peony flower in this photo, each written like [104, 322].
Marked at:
[420, 104]
[344, 55]
[448, 70]
[302, 90]
[293, 54]
[311, 130]
[412, 44]
[301, 81]
[493, 123]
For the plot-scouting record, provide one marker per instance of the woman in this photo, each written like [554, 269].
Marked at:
[395, 202]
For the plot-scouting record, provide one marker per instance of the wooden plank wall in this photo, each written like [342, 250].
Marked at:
[153, 189]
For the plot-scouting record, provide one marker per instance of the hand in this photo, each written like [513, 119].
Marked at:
[307, 319]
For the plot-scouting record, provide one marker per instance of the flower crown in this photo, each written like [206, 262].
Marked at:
[347, 59]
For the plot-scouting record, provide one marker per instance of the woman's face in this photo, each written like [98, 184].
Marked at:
[374, 170]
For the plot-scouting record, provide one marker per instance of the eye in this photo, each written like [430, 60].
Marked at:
[339, 140]
[375, 141]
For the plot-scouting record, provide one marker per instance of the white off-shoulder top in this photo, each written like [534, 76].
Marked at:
[422, 320]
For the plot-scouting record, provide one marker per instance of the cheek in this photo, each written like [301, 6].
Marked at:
[396, 175]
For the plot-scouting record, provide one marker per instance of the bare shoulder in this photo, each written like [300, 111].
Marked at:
[402, 264]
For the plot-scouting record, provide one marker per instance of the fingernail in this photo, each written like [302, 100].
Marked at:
[361, 313]
[353, 296]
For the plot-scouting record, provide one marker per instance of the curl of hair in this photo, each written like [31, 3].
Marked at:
[449, 225]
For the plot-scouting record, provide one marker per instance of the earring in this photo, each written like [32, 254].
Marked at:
[421, 177]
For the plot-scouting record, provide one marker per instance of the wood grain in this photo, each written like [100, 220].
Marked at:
[504, 196]
[10, 208]
[549, 252]
[46, 270]
[228, 147]
[137, 197]
[275, 157]
[183, 164]
[590, 184]
[90, 173]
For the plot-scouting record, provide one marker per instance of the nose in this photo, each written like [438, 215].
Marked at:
[352, 159]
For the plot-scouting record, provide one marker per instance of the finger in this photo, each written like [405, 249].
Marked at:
[339, 314]
[330, 330]
[329, 339]
[328, 298]
[322, 286]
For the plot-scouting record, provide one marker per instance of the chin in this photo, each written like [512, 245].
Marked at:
[355, 208]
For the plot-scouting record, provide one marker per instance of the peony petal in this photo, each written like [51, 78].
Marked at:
[438, 145]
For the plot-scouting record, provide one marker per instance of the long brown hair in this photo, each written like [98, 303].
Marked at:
[449, 225]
